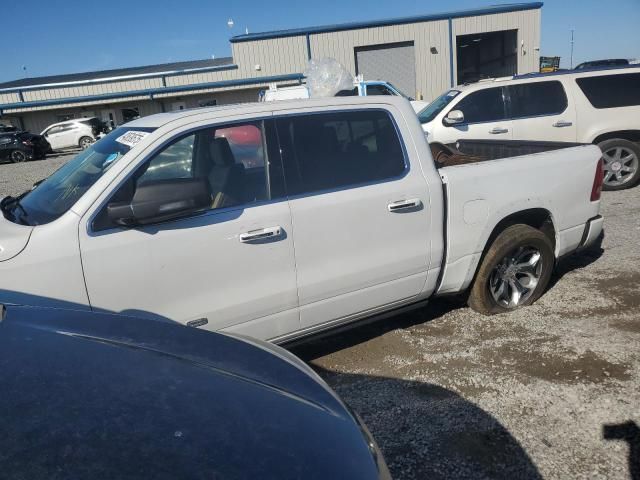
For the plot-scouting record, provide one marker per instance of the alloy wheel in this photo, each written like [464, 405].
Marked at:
[515, 278]
[85, 143]
[18, 156]
[620, 166]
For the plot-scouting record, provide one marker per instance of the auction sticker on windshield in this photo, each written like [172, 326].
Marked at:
[131, 138]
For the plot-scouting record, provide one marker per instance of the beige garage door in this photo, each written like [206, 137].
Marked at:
[394, 63]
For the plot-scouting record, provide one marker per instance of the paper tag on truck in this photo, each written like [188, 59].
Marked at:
[131, 138]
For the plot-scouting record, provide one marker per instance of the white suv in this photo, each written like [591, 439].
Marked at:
[593, 106]
[79, 132]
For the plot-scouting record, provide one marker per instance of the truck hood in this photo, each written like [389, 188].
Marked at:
[13, 238]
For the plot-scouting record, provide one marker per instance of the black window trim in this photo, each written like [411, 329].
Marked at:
[504, 106]
[507, 99]
[326, 191]
[92, 231]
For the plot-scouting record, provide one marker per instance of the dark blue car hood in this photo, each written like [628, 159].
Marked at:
[105, 396]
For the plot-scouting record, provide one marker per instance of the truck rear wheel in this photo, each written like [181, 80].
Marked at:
[515, 271]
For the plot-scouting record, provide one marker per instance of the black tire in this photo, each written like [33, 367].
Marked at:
[629, 150]
[513, 239]
[85, 142]
[18, 156]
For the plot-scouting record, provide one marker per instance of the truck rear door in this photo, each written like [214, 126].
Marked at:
[359, 212]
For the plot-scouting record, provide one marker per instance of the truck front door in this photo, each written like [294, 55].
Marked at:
[229, 267]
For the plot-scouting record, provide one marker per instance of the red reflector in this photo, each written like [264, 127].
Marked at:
[596, 191]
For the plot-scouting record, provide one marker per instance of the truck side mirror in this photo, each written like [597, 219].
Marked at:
[160, 201]
[454, 117]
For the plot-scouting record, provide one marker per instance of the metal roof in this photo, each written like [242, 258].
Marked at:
[509, 7]
[151, 92]
[574, 72]
[120, 73]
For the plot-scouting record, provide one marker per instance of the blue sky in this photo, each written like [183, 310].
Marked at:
[78, 35]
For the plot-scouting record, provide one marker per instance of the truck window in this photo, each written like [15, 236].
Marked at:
[611, 91]
[232, 158]
[335, 150]
[483, 106]
[536, 99]
[378, 90]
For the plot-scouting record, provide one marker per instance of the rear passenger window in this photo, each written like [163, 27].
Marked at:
[537, 99]
[334, 150]
[610, 91]
[482, 106]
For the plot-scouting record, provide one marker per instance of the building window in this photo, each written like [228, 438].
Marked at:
[129, 114]
[208, 103]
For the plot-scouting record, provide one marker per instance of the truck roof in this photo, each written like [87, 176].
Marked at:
[160, 119]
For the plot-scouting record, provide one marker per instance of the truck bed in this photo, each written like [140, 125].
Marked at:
[473, 151]
[482, 191]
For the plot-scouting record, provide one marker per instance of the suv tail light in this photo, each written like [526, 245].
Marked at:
[598, 180]
[28, 143]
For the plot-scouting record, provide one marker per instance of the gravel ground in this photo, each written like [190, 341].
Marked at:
[544, 392]
[16, 178]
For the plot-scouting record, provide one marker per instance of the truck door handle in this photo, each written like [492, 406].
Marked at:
[562, 123]
[261, 234]
[497, 130]
[402, 205]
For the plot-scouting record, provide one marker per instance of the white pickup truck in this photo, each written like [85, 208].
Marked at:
[361, 88]
[278, 220]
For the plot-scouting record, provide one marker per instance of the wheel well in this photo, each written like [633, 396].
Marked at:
[631, 135]
[538, 218]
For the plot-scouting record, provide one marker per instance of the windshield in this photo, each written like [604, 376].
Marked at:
[432, 110]
[402, 94]
[58, 193]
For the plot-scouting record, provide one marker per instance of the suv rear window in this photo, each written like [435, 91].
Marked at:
[611, 91]
[536, 99]
[334, 150]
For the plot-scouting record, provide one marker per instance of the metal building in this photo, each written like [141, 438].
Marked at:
[422, 56]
